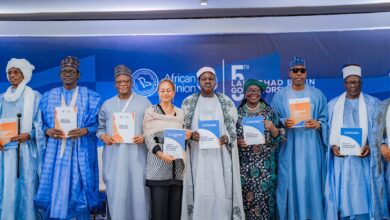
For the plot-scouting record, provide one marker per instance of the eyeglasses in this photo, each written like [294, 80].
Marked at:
[122, 81]
[352, 82]
[257, 91]
[296, 70]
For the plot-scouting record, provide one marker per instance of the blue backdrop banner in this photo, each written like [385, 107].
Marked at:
[235, 58]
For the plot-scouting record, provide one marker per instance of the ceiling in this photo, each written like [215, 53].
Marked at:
[179, 9]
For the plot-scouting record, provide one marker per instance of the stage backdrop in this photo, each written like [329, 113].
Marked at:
[236, 58]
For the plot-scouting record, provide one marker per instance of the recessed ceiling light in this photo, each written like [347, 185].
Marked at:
[203, 2]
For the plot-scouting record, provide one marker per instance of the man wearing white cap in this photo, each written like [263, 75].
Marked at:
[17, 193]
[354, 185]
[212, 187]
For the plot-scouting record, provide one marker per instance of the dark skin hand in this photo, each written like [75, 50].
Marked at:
[365, 151]
[222, 140]
[289, 123]
[385, 150]
[59, 134]
[19, 138]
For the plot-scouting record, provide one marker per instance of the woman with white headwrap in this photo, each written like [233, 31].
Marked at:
[17, 193]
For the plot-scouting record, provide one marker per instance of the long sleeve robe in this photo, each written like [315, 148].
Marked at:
[69, 185]
[212, 187]
[124, 165]
[350, 186]
[301, 159]
[17, 195]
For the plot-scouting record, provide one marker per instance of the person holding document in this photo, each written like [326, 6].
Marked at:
[124, 154]
[17, 193]
[212, 187]
[68, 186]
[258, 160]
[354, 183]
[164, 173]
[301, 159]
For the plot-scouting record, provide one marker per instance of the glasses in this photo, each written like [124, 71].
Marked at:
[296, 70]
[257, 91]
[352, 82]
[122, 81]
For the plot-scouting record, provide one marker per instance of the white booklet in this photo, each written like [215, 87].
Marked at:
[123, 125]
[174, 142]
[351, 141]
[65, 119]
[253, 128]
[209, 134]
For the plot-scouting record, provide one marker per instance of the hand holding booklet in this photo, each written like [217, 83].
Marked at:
[351, 141]
[123, 127]
[299, 111]
[253, 128]
[209, 134]
[174, 142]
[65, 119]
[8, 129]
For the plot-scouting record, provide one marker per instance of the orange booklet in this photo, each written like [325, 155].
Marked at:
[300, 111]
[8, 129]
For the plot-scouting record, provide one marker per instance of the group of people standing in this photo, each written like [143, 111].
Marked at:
[298, 173]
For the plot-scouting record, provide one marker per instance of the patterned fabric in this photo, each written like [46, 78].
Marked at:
[158, 170]
[259, 168]
[122, 70]
[297, 61]
[191, 209]
[69, 185]
[189, 104]
[70, 61]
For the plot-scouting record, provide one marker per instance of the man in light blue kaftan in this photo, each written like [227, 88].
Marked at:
[301, 159]
[69, 180]
[17, 194]
[124, 164]
[354, 184]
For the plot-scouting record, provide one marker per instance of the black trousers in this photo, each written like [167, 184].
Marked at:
[166, 202]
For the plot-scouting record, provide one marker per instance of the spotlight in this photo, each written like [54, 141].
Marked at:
[203, 2]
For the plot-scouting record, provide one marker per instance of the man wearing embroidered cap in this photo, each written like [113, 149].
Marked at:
[17, 193]
[69, 182]
[354, 183]
[301, 159]
[124, 161]
[212, 187]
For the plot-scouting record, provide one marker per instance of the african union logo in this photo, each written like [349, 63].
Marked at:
[145, 82]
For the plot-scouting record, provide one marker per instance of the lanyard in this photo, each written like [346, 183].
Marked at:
[127, 103]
